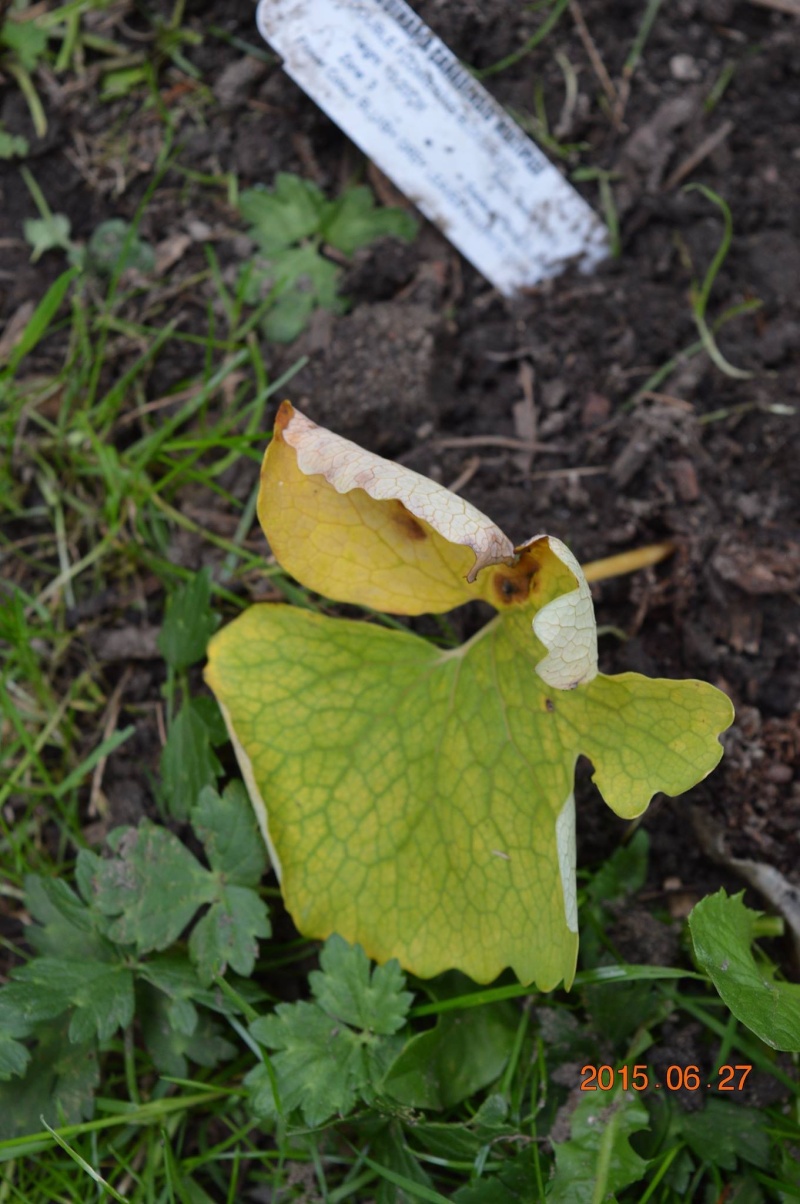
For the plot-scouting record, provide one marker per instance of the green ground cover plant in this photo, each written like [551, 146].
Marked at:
[291, 225]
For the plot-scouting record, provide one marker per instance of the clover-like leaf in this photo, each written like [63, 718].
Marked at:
[419, 801]
[290, 223]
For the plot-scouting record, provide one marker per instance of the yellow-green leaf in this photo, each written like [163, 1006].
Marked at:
[419, 801]
[360, 529]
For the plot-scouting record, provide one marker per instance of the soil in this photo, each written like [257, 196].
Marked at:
[430, 353]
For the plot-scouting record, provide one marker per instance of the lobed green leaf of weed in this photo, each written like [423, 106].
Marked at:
[59, 1084]
[13, 146]
[115, 246]
[154, 886]
[47, 234]
[227, 935]
[296, 270]
[26, 40]
[319, 1064]
[293, 308]
[188, 763]
[225, 826]
[289, 212]
[150, 889]
[353, 221]
[78, 971]
[176, 1034]
[66, 927]
[345, 988]
[189, 623]
[322, 1064]
[90, 974]
[14, 1057]
[173, 974]
[98, 994]
[290, 224]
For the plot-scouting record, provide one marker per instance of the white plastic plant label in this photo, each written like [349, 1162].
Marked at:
[397, 91]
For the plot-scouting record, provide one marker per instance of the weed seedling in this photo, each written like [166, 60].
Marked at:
[292, 225]
[700, 293]
[23, 43]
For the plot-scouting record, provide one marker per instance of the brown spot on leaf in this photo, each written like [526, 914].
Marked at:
[409, 526]
[512, 584]
[549, 705]
[283, 417]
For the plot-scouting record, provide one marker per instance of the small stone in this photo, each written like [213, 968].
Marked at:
[750, 505]
[232, 87]
[596, 409]
[717, 11]
[126, 643]
[201, 231]
[779, 774]
[685, 69]
[553, 393]
[685, 478]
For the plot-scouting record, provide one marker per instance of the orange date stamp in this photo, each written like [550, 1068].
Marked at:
[677, 1078]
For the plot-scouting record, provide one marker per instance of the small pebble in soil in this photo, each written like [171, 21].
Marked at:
[685, 69]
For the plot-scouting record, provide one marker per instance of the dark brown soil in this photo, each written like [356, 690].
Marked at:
[430, 352]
